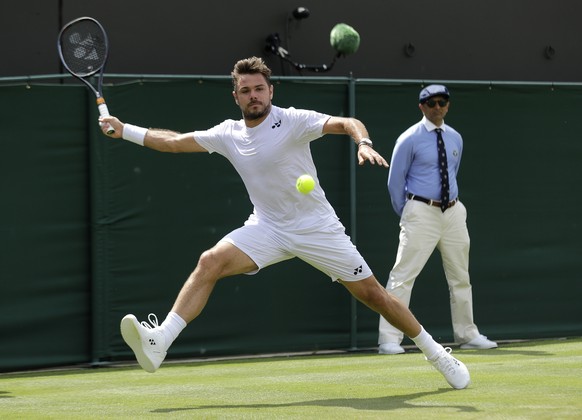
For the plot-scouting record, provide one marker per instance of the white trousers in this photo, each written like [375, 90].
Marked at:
[422, 229]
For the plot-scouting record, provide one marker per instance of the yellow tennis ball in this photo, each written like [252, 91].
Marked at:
[305, 184]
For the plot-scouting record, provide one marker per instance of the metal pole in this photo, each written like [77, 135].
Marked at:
[353, 227]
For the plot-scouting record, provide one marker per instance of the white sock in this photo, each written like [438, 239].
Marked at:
[172, 327]
[426, 344]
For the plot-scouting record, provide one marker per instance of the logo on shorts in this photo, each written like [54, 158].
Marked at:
[357, 270]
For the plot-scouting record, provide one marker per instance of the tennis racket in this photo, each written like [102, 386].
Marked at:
[83, 49]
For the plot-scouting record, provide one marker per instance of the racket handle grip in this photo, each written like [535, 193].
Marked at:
[104, 112]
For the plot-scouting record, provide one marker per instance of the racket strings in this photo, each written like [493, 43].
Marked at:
[84, 48]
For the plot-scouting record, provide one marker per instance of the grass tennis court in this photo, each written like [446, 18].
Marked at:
[526, 380]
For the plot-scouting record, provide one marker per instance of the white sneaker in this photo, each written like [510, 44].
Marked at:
[390, 348]
[454, 371]
[479, 343]
[147, 342]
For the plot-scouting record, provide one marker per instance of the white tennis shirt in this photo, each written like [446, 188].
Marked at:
[269, 158]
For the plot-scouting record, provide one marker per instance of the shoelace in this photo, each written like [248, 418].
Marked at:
[153, 319]
[444, 362]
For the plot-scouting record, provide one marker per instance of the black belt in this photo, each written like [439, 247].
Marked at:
[430, 202]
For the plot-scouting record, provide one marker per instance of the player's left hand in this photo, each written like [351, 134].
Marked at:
[366, 153]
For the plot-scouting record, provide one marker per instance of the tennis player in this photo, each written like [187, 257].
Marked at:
[269, 148]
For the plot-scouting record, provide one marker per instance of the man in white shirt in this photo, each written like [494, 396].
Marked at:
[269, 148]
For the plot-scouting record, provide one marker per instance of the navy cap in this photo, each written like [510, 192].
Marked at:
[433, 90]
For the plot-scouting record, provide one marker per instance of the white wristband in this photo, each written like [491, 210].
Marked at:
[134, 134]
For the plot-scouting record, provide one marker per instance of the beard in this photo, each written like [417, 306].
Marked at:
[255, 115]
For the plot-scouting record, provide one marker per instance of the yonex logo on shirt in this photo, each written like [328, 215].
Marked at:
[357, 270]
[276, 125]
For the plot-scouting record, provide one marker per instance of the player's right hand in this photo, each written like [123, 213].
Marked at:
[106, 122]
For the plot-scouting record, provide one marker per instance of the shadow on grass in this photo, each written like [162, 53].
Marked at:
[393, 402]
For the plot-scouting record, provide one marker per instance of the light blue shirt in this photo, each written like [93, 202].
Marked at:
[414, 165]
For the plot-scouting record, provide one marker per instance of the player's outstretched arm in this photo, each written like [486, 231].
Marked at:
[356, 130]
[152, 138]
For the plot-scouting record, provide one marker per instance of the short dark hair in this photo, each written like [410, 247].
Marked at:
[252, 65]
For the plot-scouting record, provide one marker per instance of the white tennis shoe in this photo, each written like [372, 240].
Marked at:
[146, 341]
[390, 348]
[454, 371]
[479, 343]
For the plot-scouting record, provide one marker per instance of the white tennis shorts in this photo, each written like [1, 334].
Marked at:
[329, 250]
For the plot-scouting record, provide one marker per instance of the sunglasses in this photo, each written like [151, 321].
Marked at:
[431, 103]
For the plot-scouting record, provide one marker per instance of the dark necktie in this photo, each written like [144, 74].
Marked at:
[443, 170]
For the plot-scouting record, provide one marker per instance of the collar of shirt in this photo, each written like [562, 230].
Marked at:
[430, 126]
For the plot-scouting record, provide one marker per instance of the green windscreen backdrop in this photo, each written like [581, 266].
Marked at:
[93, 228]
